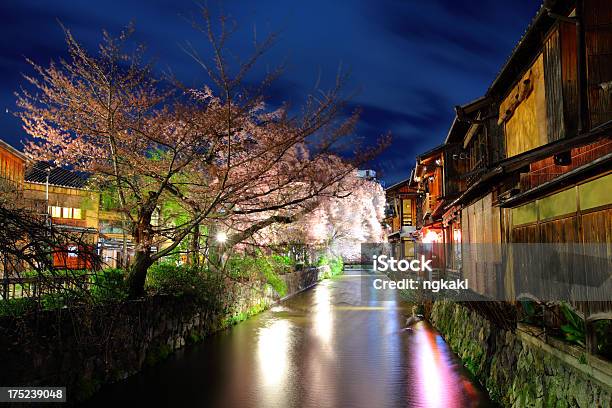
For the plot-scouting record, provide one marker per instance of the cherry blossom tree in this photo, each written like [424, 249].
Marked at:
[218, 152]
[339, 223]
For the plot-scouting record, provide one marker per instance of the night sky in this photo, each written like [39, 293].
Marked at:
[410, 61]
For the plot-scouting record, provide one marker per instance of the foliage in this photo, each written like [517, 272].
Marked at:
[603, 330]
[62, 299]
[323, 260]
[109, 285]
[241, 316]
[574, 330]
[282, 264]
[157, 354]
[198, 155]
[168, 278]
[105, 286]
[275, 281]
[258, 266]
[532, 314]
[335, 263]
[17, 307]
[244, 268]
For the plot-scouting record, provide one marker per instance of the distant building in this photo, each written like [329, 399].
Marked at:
[401, 216]
[62, 196]
[366, 174]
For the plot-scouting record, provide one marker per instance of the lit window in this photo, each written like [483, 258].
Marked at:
[66, 212]
[56, 212]
[76, 213]
[72, 251]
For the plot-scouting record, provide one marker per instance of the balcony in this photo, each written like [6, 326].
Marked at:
[546, 170]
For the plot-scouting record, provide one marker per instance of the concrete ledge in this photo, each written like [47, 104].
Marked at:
[595, 368]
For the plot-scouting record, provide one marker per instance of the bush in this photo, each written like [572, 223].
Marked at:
[323, 260]
[282, 264]
[275, 281]
[109, 285]
[17, 307]
[336, 265]
[258, 266]
[243, 268]
[60, 299]
[171, 279]
[603, 329]
[574, 329]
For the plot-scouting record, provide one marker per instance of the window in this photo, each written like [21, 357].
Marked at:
[65, 212]
[56, 212]
[406, 212]
[73, 251]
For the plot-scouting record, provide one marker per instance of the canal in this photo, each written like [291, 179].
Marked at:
[325, 347]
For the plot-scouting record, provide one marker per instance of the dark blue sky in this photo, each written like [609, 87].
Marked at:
[410, 61]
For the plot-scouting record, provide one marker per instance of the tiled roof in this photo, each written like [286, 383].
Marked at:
[57, 176]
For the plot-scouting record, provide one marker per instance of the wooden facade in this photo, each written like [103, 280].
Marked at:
[12, 169]
[72, 209]
[401, 216]
[530, 161]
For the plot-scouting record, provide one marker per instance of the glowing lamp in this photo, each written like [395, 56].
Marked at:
[430, 237]
[221, 237]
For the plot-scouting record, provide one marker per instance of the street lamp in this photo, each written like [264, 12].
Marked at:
[221, 237]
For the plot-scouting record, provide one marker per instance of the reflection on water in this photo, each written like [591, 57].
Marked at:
[272, 347]
[323, 316]
[321, 348]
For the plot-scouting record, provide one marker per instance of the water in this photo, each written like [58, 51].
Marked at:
[322, 348]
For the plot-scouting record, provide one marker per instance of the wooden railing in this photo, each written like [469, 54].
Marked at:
[34, 287]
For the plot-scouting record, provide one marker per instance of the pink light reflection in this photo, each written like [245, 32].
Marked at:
[436, 383]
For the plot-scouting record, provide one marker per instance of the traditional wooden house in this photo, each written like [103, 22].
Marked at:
[441, 178]
[70, 207]
[535, 152]
[401, 216]
[12, 170]
[429, 177]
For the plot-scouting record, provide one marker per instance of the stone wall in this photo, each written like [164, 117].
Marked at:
[85, 348]
[517, 367]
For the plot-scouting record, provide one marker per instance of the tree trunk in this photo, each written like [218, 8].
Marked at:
[143, 236]
[194, 255]
[138, 273]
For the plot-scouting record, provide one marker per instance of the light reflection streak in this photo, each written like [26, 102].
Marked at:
[437, 381]
[323, 317]
[272, 352]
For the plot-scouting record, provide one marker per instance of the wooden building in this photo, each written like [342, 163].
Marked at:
[69, 207]
[531, 160]
[402, 216]
[12, 170]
